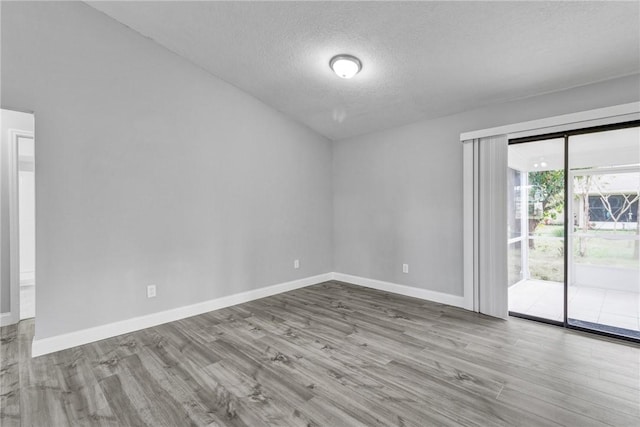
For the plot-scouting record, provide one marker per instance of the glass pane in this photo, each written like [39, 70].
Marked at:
[536, 229]
[514, 217]
[604, 261]
[515, 263]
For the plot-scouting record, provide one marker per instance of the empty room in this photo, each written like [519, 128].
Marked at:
[319, 213]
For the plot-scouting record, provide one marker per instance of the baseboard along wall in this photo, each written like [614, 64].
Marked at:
[84, 336]
[7, 319]
[433, 296]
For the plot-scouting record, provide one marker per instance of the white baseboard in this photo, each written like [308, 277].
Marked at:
[454, 300]
[61, 342]
[7, 319]
[85, 336]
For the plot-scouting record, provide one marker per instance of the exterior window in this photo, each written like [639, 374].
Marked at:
[618, 208]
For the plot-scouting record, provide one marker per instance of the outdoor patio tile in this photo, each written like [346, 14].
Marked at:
[582, 314]
[520, 306]
[573, 291]
[591, 298]
[545, 311]
[596, 305]
[622, 303]
[627, 322]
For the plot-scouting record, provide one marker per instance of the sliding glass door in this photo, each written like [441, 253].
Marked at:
[604, 261]
[536, 229]
[574, 230]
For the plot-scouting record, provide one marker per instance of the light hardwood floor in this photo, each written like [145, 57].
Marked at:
[327, 355]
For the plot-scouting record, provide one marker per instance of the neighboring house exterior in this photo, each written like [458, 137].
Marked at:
[612, 200]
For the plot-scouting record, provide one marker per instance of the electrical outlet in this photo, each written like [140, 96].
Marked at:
[296, 263]
[151, 291]
[405, 268]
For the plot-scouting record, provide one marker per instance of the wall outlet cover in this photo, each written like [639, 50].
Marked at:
[151, 291]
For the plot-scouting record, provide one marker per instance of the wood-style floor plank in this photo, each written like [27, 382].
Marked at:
[334, 355]
[9, 376]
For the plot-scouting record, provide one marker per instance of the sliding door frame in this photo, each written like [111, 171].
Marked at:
[565, 136]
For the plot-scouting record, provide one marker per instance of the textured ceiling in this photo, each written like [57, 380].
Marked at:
[420, 59]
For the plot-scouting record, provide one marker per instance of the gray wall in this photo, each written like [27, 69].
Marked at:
[17, 121]
[150, 170]
[398, 193]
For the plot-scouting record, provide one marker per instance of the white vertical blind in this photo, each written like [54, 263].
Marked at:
[489, 213]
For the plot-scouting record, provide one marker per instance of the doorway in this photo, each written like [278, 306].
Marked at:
[26, 224]
[574, 234]
[17, 219]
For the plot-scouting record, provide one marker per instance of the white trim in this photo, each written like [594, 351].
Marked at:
[604, 171]
[475, 231]
[468, 221]
[608, 236]
[7, 319]
[14, 248]
[425, 294]
[566, 121]
[85, 336]
[72, 339]
[14, 220]
[525, 272]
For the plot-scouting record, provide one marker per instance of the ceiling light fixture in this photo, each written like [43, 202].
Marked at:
[345, 66]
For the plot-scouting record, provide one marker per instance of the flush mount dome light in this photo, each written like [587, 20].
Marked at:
[345, 66]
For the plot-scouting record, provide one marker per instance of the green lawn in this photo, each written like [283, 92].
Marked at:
[546, 259]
